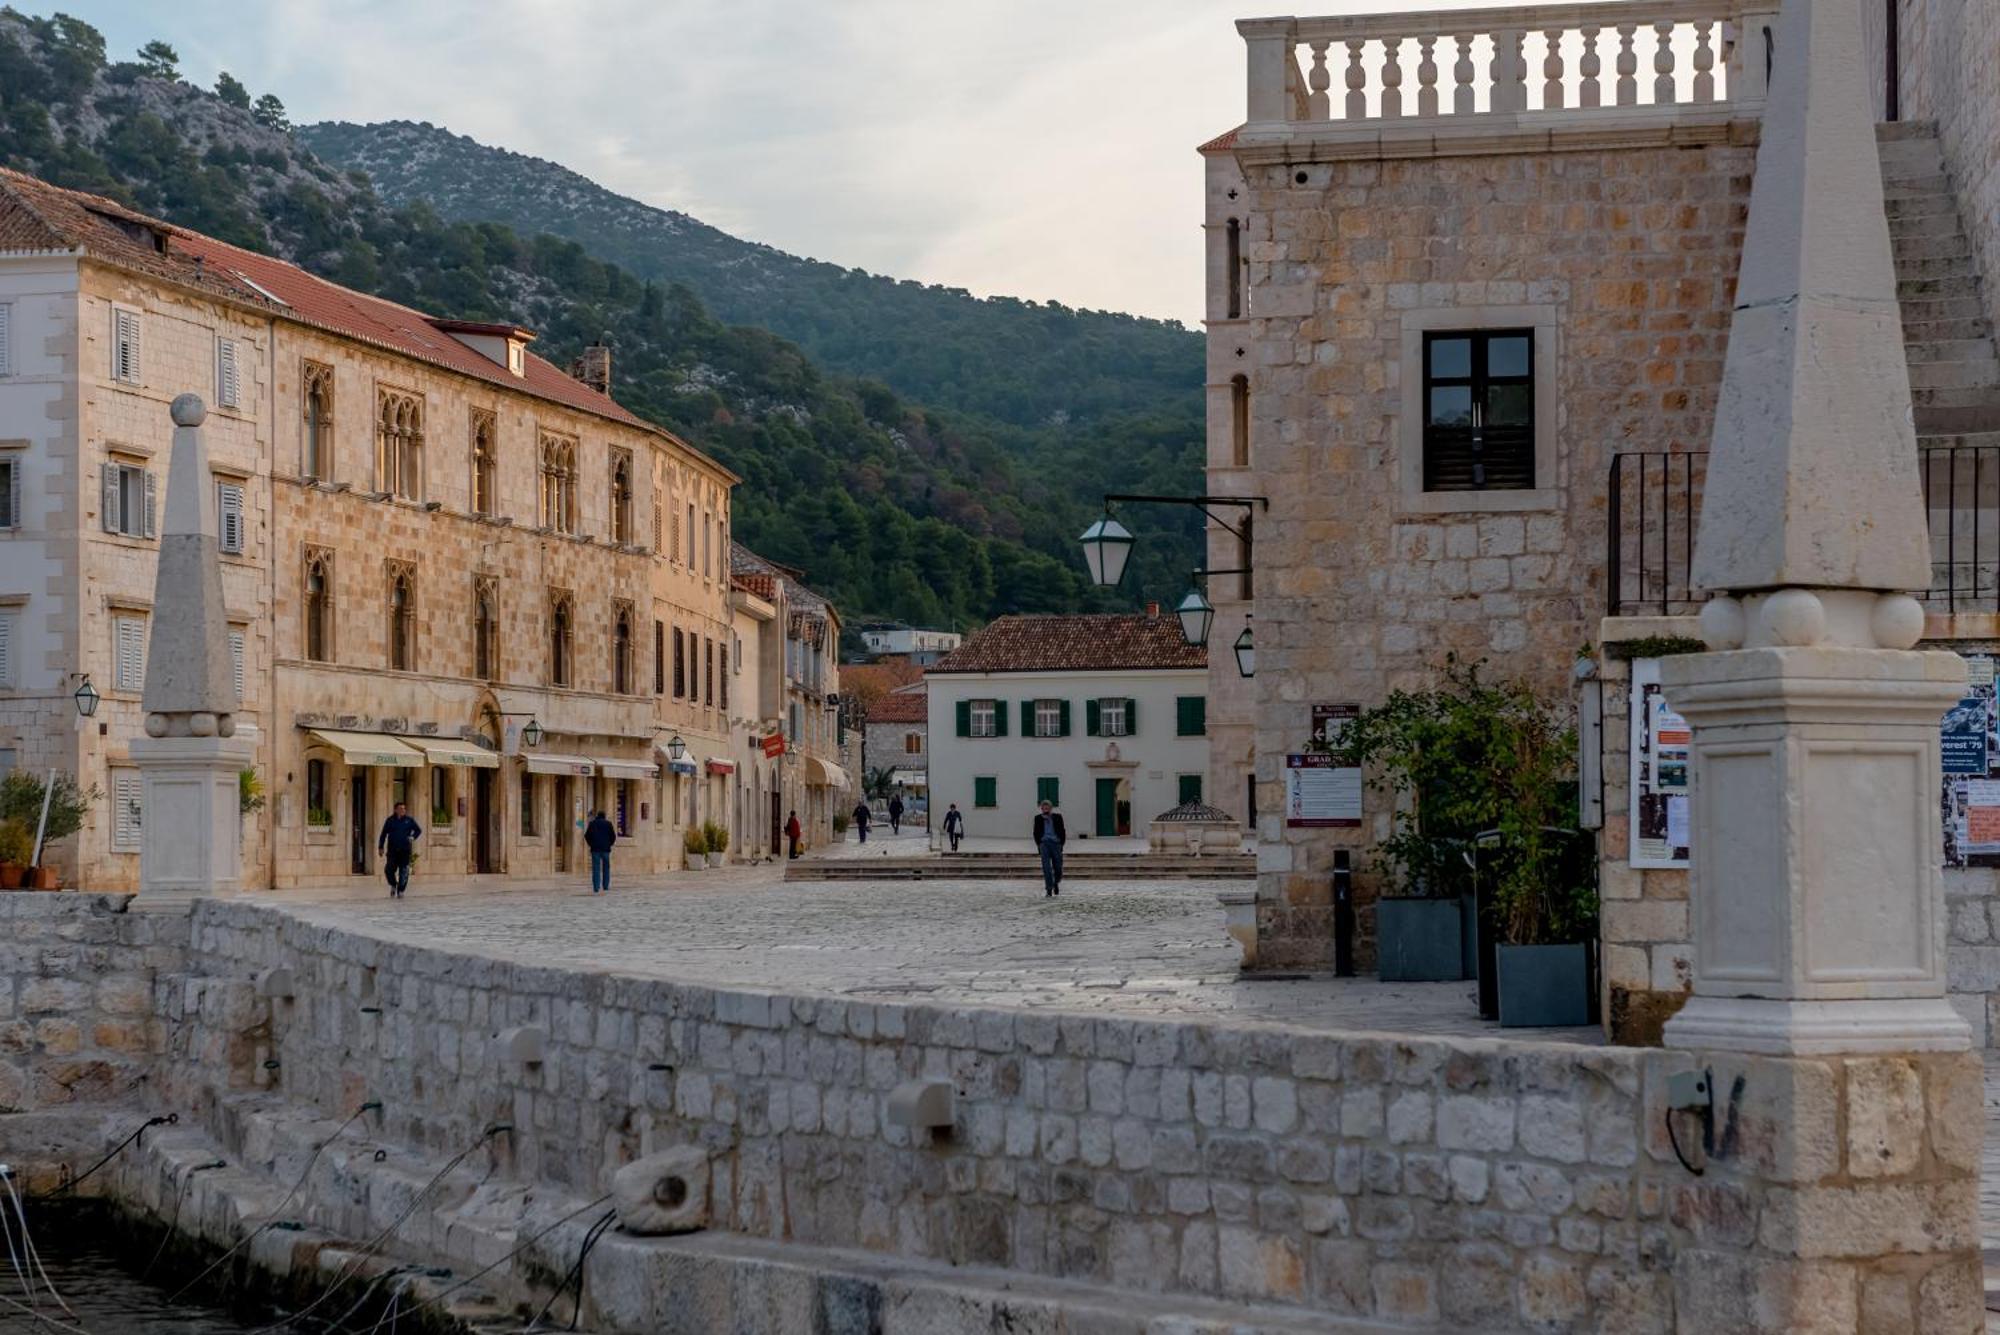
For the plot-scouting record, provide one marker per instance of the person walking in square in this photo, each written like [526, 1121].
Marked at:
[896, 814]
[1050, 836]
[598, 837]
[954, 826]
[792, 831]
[861, 818]
[397, 844]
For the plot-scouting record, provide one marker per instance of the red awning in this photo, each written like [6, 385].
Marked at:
[721, 767]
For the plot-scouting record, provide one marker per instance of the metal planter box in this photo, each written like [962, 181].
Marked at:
[1420, 940]
[1543, 987]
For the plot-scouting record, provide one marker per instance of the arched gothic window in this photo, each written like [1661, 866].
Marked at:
[559, 484]
[621, 498]
[486, 629]
[319, 606]
[485, 461]
[317, 460]
[561, 643]
[399, 443]
[402, 619]
[621, 651]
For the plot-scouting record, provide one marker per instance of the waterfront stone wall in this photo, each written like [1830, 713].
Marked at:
[1506, 1185]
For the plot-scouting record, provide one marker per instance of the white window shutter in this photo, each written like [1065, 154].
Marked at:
[227, 383]
[6, 340]
[131, 653]
[229, 517]
[128, 818]
[125, 346]
[152, 507]
[10, 480]
[6, 648]
[112, 520]
[236, 662]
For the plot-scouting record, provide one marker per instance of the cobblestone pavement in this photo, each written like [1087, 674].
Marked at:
[1103, 946]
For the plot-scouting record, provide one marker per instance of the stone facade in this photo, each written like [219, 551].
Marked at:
[1948, 75]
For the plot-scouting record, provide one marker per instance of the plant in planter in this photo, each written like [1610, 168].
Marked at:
[839, 825]
[21, 796]
[717, 840]
[696, 845]
[17, 846]
[249, 790]
[319, 817]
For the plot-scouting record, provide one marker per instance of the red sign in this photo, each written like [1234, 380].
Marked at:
[774, 746]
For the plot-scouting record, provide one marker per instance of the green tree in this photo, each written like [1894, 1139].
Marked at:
[270, 113]
[232, 92]
[160, 61]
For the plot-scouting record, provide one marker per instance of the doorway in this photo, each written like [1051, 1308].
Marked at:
[357, 810]
[1114, 808]
[563, 818]
[777, 823]
[485, 822]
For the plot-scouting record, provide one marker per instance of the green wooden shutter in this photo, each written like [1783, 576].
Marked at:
[965, 718]
[985, 791]
[1048, 789]
[1062, 719]
[1190, 788]
[1132, 718]
[999, 718]
[1191, 715]
[1091, 718]
[1027, 718]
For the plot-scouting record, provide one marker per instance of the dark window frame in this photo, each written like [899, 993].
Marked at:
[1467, 458]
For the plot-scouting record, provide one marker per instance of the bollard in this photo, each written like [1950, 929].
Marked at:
[1343, 915]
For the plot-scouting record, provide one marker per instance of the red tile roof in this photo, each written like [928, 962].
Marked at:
[1098, 643]
[35, 215]
[1225, 140]
[896, 706]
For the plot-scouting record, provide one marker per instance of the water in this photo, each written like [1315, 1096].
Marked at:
[99, 1262]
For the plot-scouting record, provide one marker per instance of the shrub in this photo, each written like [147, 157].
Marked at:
[17, 842]
[840, 824]
[715, 837]
[21, 800]
[695, 841]
[318, 816]
[249, 790]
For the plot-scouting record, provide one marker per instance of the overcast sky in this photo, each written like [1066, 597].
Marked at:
[1040, 148]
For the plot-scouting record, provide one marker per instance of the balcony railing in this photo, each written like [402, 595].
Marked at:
[1467, 64]
[1653, 511]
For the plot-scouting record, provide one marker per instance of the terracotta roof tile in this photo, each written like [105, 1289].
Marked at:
[897, 706]
[1098, 643]
[1225, 140]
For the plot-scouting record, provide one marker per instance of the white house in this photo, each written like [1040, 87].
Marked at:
[1104, 715]
[920, 646]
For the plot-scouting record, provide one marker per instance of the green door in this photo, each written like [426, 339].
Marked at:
[1107, 808]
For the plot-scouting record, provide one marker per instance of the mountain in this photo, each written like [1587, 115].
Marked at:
[1015, 361]
[894, 509]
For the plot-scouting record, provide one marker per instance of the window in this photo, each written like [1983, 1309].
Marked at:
[1239, 421]
[130, 498]
[7, 619]
[317, 382]
[485, 460]
[319, 807]
[6, 339]
[10, 489]
[228, 381]
[659, 520]
[1048, 789]
[1045, 718]
[1190, 788]
[622, 808]
[128, 653]
[986, 791]
[319, 606]
[981, 718]
[561, 616]
[690, 535]
[1244, 542]
[238, 645]
[125, 346]
[486, 628]
[722, 671]
[399, 443]
[913, 743]
[659, 657]
[621, 650]
[708, 669]
[558, 506]
[680, 666]
[621, 498]
[529, 822]
[229, 517]
[707, 536]
[402, 618]
[441, 804]
[1190, 715]
[127, 814]
[1111, 717]
[1479, 410]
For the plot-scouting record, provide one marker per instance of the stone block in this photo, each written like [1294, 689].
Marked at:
[1885, 1117]
[1475, 1122]
[1405, 1292]
[1869, 1221]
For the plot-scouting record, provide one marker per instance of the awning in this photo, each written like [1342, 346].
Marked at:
[721, 766]
[818, 771]
[683, 766]
[368, 748]
[550, 762]
[453, 753]
[627, 769]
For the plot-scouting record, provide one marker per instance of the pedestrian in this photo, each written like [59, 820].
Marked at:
[793, 831]
[398, 846]
[896, 814]
[1050, 836]
[861, 818]
[954, 826]
[598, 837]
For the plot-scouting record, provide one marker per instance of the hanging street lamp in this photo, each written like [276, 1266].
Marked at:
[676, 748]
[86, 698]
[1106, 545]
[1196, 615]
[531, 736]
[1246, 653]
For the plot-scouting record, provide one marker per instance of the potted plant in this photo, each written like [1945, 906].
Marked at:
[696, 844]
[717, 841]
[21, 795]
[319, 818]
[249, 791]
[17, 846]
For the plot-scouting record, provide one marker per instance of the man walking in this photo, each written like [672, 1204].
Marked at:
[1050, 836]
[598, 837]
[954, 826]
[397, 844]
[792, 831]
[896, 814]
[861, 818]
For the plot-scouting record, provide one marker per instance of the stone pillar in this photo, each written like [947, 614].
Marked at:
[1817, 899]
[191, 839]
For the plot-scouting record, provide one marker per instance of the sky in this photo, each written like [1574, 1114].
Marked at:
[1038, 148]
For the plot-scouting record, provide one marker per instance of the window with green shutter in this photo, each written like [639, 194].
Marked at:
[1091, 722]
[1190, 715]
[1190, 788]
[986, 791]
[1062, 726]
[1048, 789]
[965, 718]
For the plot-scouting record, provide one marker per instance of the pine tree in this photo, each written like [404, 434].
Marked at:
[232, 92]
[270, 113]
[160, 61]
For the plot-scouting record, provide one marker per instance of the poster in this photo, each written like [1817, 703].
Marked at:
[1330, 725]
[1661, 743]
[1319, 793]
[1969, 747]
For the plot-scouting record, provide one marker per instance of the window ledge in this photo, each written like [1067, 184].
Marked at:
[1481, 502]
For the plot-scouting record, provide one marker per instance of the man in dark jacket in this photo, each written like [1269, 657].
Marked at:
[793, 830]
[398, 845]
[862, 815]
[954, 826]
[598, 836]
[1050, 836]
[896, 814]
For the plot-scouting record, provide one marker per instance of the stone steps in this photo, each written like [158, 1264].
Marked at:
[1944, 268]
[1965, 374]
[1024, 867]
[1976, 440]
[1972, 348]
[1927, 334]
[1890, 132]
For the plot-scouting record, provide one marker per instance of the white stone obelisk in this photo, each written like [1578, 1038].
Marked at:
[189, 759]
[1817, 897]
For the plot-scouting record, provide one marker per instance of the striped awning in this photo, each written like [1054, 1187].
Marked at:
[368, 748]
[453, 753]
[820, 772]
[553, 762]
[614, 768]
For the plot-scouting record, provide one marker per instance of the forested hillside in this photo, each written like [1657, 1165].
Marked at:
[893, 508]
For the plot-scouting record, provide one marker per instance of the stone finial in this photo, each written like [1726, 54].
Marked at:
[190, 686]
[1812, 482]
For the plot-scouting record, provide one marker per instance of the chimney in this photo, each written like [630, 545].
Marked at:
[593, 368]
[1152, 611]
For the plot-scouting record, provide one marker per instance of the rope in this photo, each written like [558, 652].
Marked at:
[485, 1270]
[28, 1248]
[170, 1119]
[180, 1197]
[597, 1230]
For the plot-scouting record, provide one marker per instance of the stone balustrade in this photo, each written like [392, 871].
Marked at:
[1468, 66]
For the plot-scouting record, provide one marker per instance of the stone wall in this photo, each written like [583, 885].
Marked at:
[1951, 75]
[1501, 1186]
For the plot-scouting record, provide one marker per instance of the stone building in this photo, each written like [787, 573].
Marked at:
[798, 684]
[895, 737]
[1470, 283]
[432, 539]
